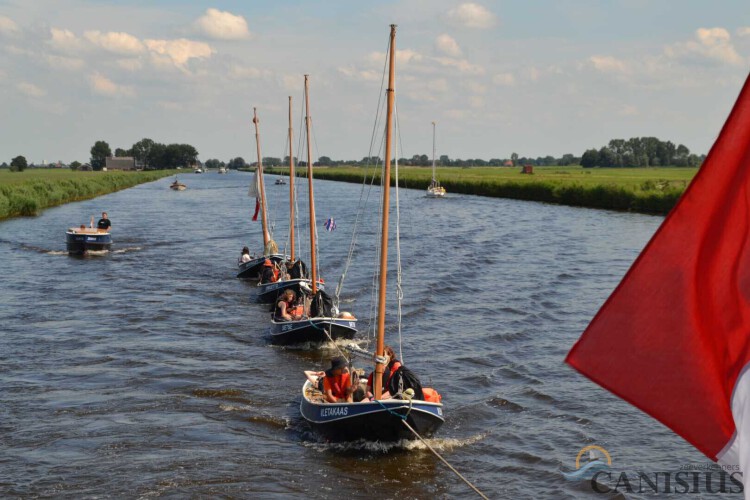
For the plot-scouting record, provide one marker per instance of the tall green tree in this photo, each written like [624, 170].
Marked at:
[141, 151]
[100, 151]
[18, 164]
[74, 165]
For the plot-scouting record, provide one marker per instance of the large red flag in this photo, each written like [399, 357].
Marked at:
[673, 339]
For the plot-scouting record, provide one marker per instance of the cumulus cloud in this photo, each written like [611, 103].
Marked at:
[448, 46]
[472, 15]
[64, 63]
[179, 51]
[8, 27]
[31, 90]
[130, 64]
[65, 41]
[504, 79]
[222, 25]
[102, 85]
[359, 74]
[461, 65]
[709, 43]
[116, 42]
[608, 64]
[745, 31]
[241, 72]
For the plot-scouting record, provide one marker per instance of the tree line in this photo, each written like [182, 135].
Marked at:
[640, 152]
[147, 154]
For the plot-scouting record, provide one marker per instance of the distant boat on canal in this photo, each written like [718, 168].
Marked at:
[177, 186]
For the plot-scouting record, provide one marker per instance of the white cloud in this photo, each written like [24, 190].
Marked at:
[472, 15]
[745, 31]
[130, 64]
[359, 74]
[102, 85]
[223, 25]
[31, 90]
[240, 72]
[448, 46]
[64, 63]
[116, 42]
[476, 101]
[405, 56]
[461, 65]
[504, 79]
[438, 85]
[710, 43]
[608, 64]
[65, 41]
[179, 51]
[475, 87]
[8, 27]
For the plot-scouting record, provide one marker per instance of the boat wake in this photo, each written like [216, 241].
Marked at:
[128, 249]
[438, 444]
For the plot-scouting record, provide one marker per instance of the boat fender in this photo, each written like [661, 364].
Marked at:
[431, 395]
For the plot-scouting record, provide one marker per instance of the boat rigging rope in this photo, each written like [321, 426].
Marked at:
[399, 289]
[476, 490]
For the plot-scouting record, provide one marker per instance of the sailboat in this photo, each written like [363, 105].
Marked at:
[434, 190]
[269, 292]
[380, 419]
[323, 324]
[252, 268]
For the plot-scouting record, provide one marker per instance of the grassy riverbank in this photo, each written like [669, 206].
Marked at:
[647, 190]
[28, 192]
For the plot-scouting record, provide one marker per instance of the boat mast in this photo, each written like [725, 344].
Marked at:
[266, 236]
[385, 181]
[291, 183]
[433, 152]
[313, 257]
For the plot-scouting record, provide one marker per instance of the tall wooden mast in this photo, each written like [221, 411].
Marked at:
[264, 220]
[291, 183]
[433, 151]
[385, 181]
[313, 256]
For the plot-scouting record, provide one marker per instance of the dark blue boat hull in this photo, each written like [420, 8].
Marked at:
[82, 243]
[312, 330]
[269, 292]
[372, 420]
[251, 269]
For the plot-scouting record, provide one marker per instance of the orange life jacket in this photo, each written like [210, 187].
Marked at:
[337, 384]
[395, 366]
[431, 395]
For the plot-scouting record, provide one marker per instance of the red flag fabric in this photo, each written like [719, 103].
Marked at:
[257, 209]
[674, 336]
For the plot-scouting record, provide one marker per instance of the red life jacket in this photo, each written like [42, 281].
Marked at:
[394, 366]
[337, 384]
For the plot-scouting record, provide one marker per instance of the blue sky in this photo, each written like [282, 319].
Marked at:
[535, 77]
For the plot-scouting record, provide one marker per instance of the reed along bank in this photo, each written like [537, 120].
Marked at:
[30, 191]
[653, 190]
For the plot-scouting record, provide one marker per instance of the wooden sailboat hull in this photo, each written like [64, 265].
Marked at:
[251, 269]
[372, 420]
[269, 292]
[312, 330]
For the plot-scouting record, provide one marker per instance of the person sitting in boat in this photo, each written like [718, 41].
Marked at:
[269, 273]
[286, 310]
[337, 383]
[245, 257]
[297, 269]
[396, 379]
[104, 223]
[315, 378]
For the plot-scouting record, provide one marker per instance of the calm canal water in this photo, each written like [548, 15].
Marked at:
[148, 373]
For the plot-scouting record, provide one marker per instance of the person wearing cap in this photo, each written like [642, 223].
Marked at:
[269, 273]
[337, 383]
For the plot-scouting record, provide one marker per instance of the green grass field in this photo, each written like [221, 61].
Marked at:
[28, 192]
[648, 190]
